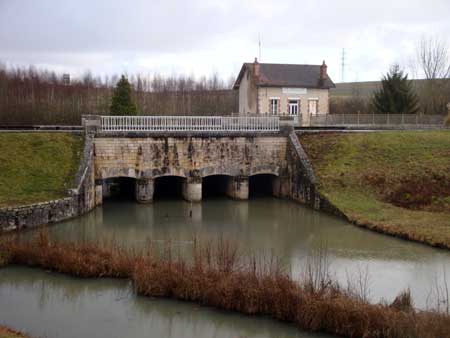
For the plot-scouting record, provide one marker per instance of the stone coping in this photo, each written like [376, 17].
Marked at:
[35, 205]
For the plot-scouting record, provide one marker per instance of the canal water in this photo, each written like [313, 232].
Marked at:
[52, 305]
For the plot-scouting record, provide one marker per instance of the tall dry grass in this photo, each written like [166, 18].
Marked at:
[218, 275]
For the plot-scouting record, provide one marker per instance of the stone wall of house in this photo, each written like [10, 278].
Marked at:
[322, 95]
[79, 200]
[247, 94]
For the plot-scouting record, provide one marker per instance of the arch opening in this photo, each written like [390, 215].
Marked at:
[168, 187]
[214, 186]
[119, 188]
[261, 185]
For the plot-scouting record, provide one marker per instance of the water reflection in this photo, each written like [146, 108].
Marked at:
[268, 225]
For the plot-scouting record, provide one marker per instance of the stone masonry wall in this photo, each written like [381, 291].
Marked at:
[152, 157]
[302, 180]
[80, 200]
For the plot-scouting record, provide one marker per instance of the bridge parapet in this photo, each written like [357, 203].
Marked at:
[141, 126]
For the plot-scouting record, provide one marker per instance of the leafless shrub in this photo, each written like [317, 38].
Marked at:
[31, 96]
[438, 298]
[432, 61]
[358, 284]
[316, 272]
[350, 105]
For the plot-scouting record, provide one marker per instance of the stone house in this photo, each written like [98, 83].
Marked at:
[293, 92]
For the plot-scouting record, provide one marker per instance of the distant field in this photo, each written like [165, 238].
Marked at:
[37, 167]
[363, 89]
[348, 89]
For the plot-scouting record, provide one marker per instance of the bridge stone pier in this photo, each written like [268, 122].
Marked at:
[237, 188]
[144, 190]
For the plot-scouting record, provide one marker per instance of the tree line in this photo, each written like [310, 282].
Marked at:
[31, 96]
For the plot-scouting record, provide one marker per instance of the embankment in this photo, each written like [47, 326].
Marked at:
[45, 178]
[396, 183]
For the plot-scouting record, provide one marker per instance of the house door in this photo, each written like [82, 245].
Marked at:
[312, 107]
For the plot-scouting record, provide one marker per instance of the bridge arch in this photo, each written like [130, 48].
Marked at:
[262, 183]
[116, 172]
[270, 169]
[168, 186]
[215, 185]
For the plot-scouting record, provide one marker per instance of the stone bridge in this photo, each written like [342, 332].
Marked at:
[193, 155]
[192, 158]
[143, 154]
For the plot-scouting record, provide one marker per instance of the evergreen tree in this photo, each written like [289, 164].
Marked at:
[122, 104]
[396, 95]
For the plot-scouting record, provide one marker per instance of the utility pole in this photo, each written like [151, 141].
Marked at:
[343, 65]
[259, 47]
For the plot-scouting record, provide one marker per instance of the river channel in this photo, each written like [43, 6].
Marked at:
[52, 305]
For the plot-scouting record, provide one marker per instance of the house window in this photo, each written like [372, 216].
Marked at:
[312, 106]
[274, 106]
[293, 107]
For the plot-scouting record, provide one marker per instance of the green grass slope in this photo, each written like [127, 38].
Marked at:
[393, 182]
[37, 167]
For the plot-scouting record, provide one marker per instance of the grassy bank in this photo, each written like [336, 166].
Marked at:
[219, 276]
[37, 167]
[392, 182]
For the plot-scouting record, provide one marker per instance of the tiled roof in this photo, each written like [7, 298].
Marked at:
[287, 75]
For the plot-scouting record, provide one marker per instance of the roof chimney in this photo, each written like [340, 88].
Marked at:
[323, 71]
[256, 67]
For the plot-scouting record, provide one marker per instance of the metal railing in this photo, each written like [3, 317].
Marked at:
[375, 119]
[189, 123]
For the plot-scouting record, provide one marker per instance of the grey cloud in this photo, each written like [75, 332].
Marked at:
[106, 35]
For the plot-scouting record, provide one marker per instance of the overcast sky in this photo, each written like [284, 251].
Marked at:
[204, 36]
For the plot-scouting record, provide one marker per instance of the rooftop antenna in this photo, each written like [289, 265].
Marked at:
[259, 46]
[343, 65]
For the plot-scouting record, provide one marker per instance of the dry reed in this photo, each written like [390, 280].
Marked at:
[218, 276]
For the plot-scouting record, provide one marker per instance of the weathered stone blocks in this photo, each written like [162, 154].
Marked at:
[238, 188]
[192, 189]
[144, 190]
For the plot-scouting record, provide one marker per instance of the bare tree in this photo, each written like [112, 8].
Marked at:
[432, 61]
[433, 56]
[32, 96]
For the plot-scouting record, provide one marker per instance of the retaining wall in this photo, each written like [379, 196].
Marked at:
[79, 200]
[302, 180]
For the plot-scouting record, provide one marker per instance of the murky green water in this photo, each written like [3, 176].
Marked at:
[52, 305]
